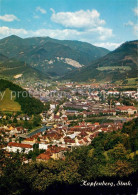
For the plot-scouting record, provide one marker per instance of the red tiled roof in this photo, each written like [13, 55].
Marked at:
[55, 149]
[69, 140]
[96, 123]
[19, 145]
[105, 129]
[56, 117]
[126, 107]
[80, 142]
[19, 128]
[85, 139]
[43, 156]
[83, 133]
[29, 139]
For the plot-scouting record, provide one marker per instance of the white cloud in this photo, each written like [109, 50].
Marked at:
[8, 18]
[135, 11]
[108, 45]
[80, 25]
[129, 23]
[88, 21]
[78, 19]
[133, 25]
[69, 34]
[135, 29]
[98, 33]
[102, 32]
[57, 33]
[43, 11]
[36, 17]
[73, 34]
[6, 31]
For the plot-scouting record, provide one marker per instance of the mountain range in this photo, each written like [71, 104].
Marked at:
[45, 58]
[51, 56]
[14, 69]
[120, 64]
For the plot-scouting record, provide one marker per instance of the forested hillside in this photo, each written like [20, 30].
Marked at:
[29, 105]
[14, 69]
[119, 64]
[51, 56]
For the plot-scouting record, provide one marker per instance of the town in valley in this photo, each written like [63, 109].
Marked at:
[73, 116]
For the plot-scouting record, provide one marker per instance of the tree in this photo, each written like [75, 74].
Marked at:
[120, 168]
[38, 139]
[117, 153]
[37, 120]
[46, 106]
[14, 120]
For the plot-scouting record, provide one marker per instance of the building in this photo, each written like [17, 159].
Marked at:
[14, 147]
[43, 157]
[127, 109]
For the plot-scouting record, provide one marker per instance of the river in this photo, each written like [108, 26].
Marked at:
[44, 128]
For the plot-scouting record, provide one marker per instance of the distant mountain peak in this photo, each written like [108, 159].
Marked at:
[13, 37]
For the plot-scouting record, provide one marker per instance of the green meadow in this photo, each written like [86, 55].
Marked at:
[114, 68]
[8, 104]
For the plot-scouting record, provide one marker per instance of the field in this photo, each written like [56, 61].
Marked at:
[132, 81]
[124, 68]
[7, 104]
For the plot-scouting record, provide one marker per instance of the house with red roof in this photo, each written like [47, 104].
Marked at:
[127, 109]
[56, 152]
[14, 147]
[53, 152]
[43, 157]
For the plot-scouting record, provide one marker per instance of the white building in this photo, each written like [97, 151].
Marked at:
[52, 106]
[43, 146]
[14, 147]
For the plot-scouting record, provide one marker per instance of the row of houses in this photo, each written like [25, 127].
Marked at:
[57, 141]
[12, 130]
[18, 118]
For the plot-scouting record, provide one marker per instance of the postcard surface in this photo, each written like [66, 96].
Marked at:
[68, 97]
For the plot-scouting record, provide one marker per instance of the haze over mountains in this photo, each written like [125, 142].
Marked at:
[44, 57]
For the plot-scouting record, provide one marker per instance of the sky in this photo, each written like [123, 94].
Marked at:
[104, 23]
